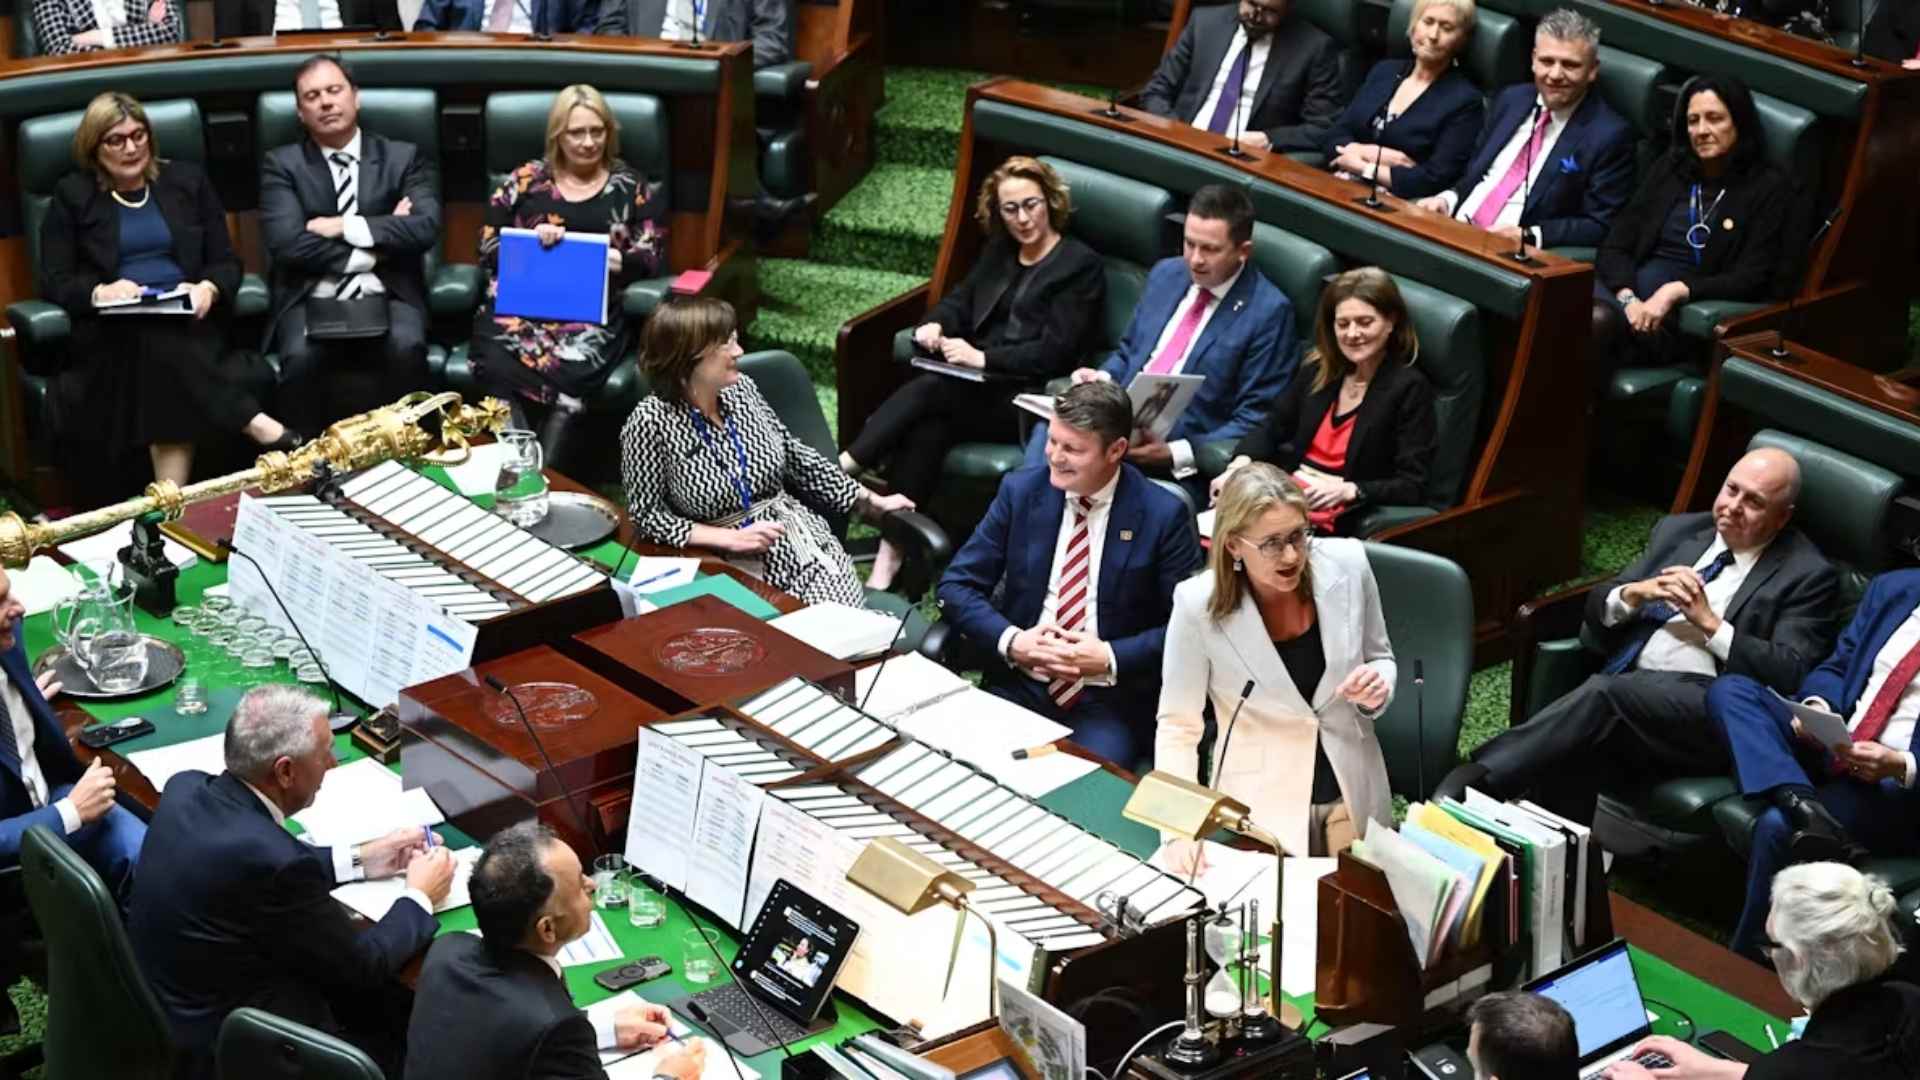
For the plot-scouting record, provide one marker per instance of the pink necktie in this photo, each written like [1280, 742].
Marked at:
[1072, 613]
[1182, 335]
[500, 19]
[1489, 211]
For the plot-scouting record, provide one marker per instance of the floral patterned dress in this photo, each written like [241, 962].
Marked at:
[538, 359]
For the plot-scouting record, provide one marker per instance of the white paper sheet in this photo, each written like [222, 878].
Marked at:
[374, 898]
[42, 584]
[651, 573]
[596, 946]
[724, 821]
[984, 730]
[361, 800]
[620, 1063]
[840, 631]
[480, 473]
[906, 682]
[161, 764]
[105, 547]
[1827, 728]
[666, 789]
[1300, 921]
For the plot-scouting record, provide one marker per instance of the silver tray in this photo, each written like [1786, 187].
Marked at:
[165, 662]
[576, 520]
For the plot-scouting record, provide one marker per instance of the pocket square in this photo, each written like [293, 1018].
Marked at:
[1568, 166]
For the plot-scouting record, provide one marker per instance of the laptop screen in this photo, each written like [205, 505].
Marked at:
[1602, 995]
[794, 951]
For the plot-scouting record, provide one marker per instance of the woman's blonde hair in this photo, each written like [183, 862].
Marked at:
[582, 96]
[1374, 287]
[1251, 491]
[102, 114]
[1463, 8]
[1059, 202]
[677, 335]
[1835, 925]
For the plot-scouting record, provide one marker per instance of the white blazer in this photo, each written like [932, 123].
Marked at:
[1269, 764]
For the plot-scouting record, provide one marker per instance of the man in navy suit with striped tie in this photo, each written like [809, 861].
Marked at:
[1734, 592]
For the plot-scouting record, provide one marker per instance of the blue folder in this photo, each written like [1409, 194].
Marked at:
[564, 283]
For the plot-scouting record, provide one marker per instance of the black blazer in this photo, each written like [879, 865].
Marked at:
[50, 749]
[769, 24]
[1301, 90]
[1752, 254]
[296, 185]
[1784, 616]
[1869, 1031]
[1437, 131]
[481, 1014]
[80, 239]
[1393, 433]
[1050, 320]
[230, 909]
[245, 18]
[1893, 31]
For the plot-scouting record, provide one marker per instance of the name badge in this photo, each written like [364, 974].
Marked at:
[1126, 534]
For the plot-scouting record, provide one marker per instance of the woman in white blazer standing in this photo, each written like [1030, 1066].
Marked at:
[1298, 618]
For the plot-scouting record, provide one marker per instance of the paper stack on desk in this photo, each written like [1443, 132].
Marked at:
[362, 800]
[163, 763]
[375, 898]
[840, 631]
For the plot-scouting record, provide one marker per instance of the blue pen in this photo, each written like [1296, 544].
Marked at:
[656, 577]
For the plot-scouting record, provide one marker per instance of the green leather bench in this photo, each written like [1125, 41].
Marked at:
[1428, 604]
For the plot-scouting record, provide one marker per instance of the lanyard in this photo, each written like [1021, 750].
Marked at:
[1700, 222]
[740, 454]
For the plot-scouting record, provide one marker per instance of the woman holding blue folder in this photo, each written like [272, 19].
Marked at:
[546, 369]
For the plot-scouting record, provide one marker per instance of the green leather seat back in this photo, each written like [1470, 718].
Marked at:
[1125, 221]
[45, 154]
[257, 1045]
[1297, 267]
[1343, 20]
[1499, 53]
[516, 124]
[1428, 604]
[1789, 404]
[1453, 358]
[26, 36]
[102, 1018]
[784, 382]
[1845, 504]
[1793, 139]
[1632, 85]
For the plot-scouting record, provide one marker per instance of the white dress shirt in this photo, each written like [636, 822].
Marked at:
[605, 1034]
[353, 227]
[1096, 544]
[1679, 645]
[1898, 734]
[30, 774]
[1516, 145]
[288, 16]
[344, 868]
[678, 22]
[1256, 66]
[1183, 449]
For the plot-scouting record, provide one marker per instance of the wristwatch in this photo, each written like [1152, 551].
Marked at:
[1626, 296]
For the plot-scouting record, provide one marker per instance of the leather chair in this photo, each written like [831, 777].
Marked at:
[784, 382]
[257, 1045]
[1428, 603]
[44, 154]
[1125, 222]
[516, 127]
[1499, 54]
[102, 1018]
[409, 115]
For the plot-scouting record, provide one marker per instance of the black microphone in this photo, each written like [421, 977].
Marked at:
[565, 789]
[881, 667]
[1420, 724]
[1790, 322]
[1111, 110]
[1371, 200]
[1232, 149]
[1227, 739]
[341, 718]
[621, 563]
[1526, 186]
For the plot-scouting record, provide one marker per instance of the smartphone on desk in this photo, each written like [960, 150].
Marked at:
[1723, 1045]
[101, 736]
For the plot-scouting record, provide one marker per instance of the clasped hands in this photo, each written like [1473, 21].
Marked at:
[956, 351]
[1681, 586]
[1055, 652]
[1645, 316]
[416, 852]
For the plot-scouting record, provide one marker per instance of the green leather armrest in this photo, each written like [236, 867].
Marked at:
[455, 290]
[623, 389]
[641, 297]
[1634, 382]
[1577, 254]
[1211, 457]
[1698, 320]
[1683, 410]
[39, 324]
[782, 81]
[903, 346]
[253, 299]
[1558, 667]
[1369, 520]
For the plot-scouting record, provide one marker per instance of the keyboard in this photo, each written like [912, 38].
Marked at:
[1653, 1059]
[730, 1003]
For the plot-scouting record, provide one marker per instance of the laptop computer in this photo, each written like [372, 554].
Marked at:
[1602, 994]
[787, 965]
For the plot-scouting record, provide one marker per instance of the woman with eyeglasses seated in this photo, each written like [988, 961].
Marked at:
[708, 464]
[71, 26]
[1832, 938]
[1024, 313]
[1361, 429]
[1298, 619]
[546, 369]
[124, 233]
[1711, 221]
[1413, 123]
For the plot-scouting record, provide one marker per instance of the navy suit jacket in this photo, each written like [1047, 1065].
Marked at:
[1842, 677]
[230, 909]
[547, 16]
[58, 766]
[1150, 547]
[1437, 131]
[1589, 179]
[1246, 351]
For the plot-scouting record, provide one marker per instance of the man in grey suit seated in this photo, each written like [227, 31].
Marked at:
[766, 23]
[1254, 69]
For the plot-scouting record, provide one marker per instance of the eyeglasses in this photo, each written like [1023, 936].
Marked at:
[1266, 13]
[1770, 947]
[1272, 546]
[119, 141]
[582, 134]
[1026, 207]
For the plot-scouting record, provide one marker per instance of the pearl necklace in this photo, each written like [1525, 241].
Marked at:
[145, 194]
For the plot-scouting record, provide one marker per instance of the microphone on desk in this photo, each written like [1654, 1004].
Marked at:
[1519, 254]
[1226, 739]
[1111, 110]
[888, 655]
[1420, 724]
[1790, 322]
[586, 830]
[694, 1008]
[341, 719]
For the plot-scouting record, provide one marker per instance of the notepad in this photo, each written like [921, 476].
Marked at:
[563, 283]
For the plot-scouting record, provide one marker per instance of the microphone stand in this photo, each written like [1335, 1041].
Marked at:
[586, 830]
[699, 11]
[1111, 110]
[1232, 149]
[341, 719]
[1420, 724]
[1372, 200]
[1859, 59]
[1790, 322]
[1519, 254]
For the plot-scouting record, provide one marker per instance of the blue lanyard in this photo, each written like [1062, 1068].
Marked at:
[699, 15]
[740, 454]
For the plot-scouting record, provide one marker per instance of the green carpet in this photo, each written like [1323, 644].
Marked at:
[804, 303]
[892, 221]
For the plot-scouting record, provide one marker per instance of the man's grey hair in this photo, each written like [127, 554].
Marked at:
[1836, 925]
[1564, 25]
[271, 722]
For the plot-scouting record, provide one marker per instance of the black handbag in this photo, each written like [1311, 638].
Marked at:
[330, 318]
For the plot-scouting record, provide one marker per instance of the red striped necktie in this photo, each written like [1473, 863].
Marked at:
[1072, 613]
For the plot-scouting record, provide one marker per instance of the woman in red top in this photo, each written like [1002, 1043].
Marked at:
[1356, 423]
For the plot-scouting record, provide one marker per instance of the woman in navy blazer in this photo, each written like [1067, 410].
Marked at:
[1414, 121]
